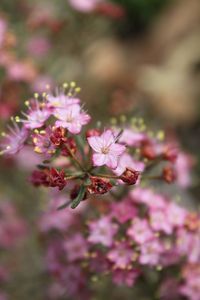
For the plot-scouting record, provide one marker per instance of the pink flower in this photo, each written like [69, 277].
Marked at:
[150, 253]
[126, 161]
[107, 150]
[148, 197]
[120, 255]
[176, 214]
[183, 167]
[76, 247]
[102, 231]
[38, 46]
[61, 101]
[13, 142]
[140, 231]
[42, 142]
[132, 138]
[36, 116]
[123, 211]
[72, 118]
[125, 277]
[84, 5]
[159, 221]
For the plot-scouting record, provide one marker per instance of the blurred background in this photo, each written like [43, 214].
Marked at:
[132, 58]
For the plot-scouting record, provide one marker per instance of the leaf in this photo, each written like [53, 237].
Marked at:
[79, 198]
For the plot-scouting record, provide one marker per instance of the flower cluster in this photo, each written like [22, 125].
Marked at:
[144, 232]
[92, 161]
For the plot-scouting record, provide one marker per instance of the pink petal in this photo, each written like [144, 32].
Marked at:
[108, 138]
[117, 149]
[99, 159]
[96, 143]
[112, 161]
[84, 118]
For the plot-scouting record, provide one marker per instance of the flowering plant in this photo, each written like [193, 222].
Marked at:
[95, 161]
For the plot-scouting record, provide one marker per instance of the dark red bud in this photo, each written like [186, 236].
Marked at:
[99, 185]
[148, 151]
[92, 132]
[129, 176]
[70, 144]
[169, 174]
[58, 136]
[170, 154]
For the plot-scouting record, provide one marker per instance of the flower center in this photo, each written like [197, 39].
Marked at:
[105, 150]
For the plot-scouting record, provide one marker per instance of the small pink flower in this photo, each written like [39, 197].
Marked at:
[120, 255]
[102, 231]
[150, 253]
[176, 214]
[140, 231]
[14, 141]
[42, 142]
[183, 169]
[76, 247]
[126, 161]
[125, 277]
[132, 138]
[123, 211]
[72, 118]
[61, 101]
[84, 5]
[37, 115]
[107, 150]
[159, 221]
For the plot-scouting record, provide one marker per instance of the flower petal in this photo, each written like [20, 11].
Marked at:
[99, 159]
[95, 143]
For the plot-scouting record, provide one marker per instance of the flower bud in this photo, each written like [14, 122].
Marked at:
[148, 151]
[129, 176]
[92, 132]
[99, 185]
[58, 136]
[169, 174]
[71, 144]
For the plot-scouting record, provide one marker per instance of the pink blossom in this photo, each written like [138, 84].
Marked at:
[84, 5]
[107, 151]
[72, 118]
[42, 142]
[183, 167]
[3, 28]
[125, 277]
[14, 141]
[148, 197]
[140, 231]
[126, 161]
[132, 138]
[120, 255]
[76, 247]
[102, 231]
[159, 221]
[123, 211]
[150, 253]
[61, 101]
[38, 46]
[36, 116]
[176, 214]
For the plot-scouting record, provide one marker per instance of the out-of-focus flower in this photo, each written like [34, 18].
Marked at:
[38, 46]
[36, 116]
[42, 142]
[14, 141]
[72, 118]
[140, 231]
[107, 151]
[102, 231]
[76, 247]
[120, 255]
[84, 5]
